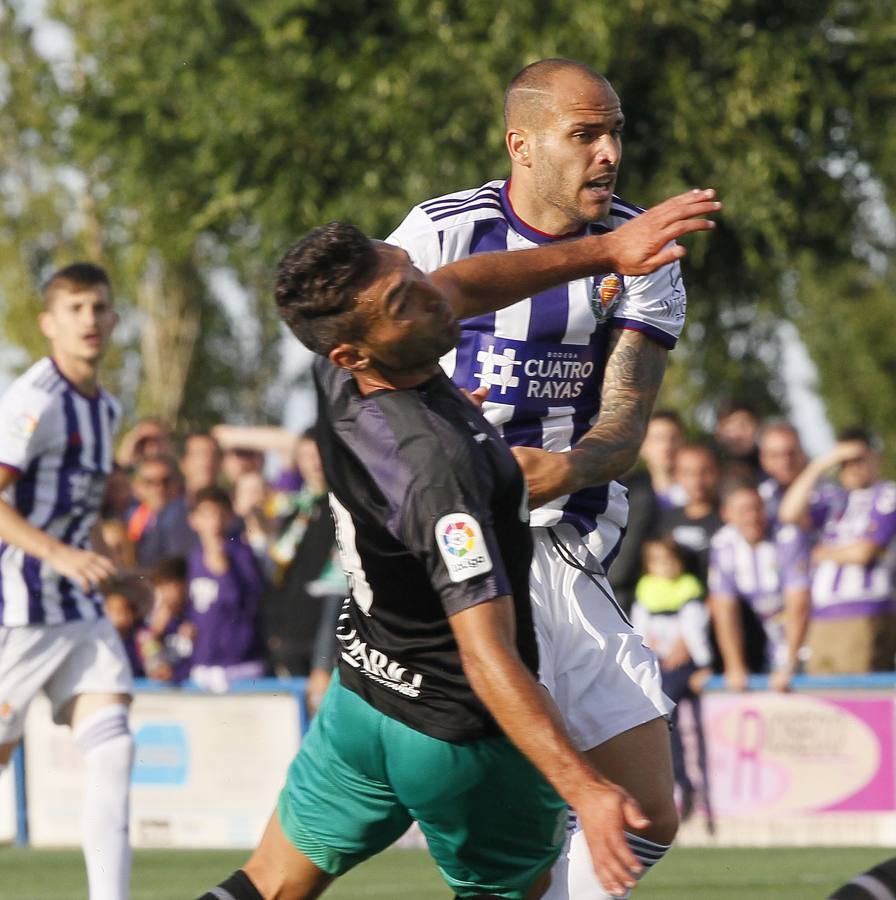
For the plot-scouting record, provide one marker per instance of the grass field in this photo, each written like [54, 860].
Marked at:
[687, 874]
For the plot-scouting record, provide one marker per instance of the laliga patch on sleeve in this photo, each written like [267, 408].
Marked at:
[462, 546]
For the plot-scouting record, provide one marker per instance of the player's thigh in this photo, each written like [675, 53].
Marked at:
[601, 676]
[640, 760]
[492, 823]
[278, 869]
[337, 807]
[95, 673]
[29, 657]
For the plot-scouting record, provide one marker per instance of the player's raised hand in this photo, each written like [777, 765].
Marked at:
[605, 816]
[87, 569]
[642, 244]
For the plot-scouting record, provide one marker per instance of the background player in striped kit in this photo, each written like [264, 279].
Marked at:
[573, 372]
[57, 426]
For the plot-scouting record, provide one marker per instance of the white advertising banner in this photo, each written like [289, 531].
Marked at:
[7, 806]
[208, 769]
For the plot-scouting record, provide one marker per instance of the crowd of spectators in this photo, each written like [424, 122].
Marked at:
[743, 557]
[227, 556]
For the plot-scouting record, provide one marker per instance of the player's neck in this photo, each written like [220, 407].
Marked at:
[83, 374]
[538, 214]
[371, 380]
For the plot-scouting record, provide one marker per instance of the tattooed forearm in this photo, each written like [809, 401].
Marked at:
[635, 368]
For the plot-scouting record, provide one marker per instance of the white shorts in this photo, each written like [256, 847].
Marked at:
[600, 674]
[81, 657]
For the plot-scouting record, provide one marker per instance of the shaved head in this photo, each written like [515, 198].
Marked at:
[530, 92]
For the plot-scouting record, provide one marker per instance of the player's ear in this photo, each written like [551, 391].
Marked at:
[349, 356]
[47, 325]
[517, 142]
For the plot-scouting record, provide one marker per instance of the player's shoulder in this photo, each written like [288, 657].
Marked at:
[457, 208]
[37, 389]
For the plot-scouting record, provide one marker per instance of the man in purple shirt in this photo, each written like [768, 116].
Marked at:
[225, 586]
[852, 582]
[764, 572]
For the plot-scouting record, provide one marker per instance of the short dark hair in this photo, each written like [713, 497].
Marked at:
[317, 282]
[862, 435]
[74, 277]
[730, 405]
[168, 569]
[212, 494]
[668, 415]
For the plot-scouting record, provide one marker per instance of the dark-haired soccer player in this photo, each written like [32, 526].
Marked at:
[435, 714]
[57, 427]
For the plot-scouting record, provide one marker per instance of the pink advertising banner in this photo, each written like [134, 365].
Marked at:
[800, 753]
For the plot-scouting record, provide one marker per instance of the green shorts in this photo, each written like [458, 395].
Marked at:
[492, 823]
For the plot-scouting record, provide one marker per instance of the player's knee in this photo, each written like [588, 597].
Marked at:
[663, 817]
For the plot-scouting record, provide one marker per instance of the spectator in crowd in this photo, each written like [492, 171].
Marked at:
[200, 463]
[782, 458]
[651, 487]
[157, 525]
[280, 442]
[251, 505]
[736, 435]
[301, 613]
[670, 614]
[149, 437]
[662, 441]
[236, 461]
[693, 525]
[166, 640]
[125, 601]
[852, 628]
[225, 588]
[759, 591]
[118, 498]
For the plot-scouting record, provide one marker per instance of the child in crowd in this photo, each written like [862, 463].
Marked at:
[125, 602]
[166, 640]
[225, 588]
[670, 614]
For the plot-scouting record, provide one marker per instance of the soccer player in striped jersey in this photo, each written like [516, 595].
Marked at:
[57, 427]
[573, 373]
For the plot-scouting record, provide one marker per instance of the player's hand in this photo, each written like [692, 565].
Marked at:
[605, 816]
[546, 474]
[779, 680]
[477, 397]
[87, 569]
[642, 244]
[736, 679]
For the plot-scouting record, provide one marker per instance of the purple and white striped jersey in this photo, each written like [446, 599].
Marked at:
[60, 443]
[843, 517]
[543, 357]
[760, 575]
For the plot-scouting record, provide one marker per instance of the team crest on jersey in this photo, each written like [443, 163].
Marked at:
[23, 427]
[605, 296]
[462, 546]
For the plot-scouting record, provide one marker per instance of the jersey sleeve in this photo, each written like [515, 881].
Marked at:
[793, 557]
[418, 236]
[451, 532]
[653, 304]
[25, 427]
[720, 578]
[882, 521]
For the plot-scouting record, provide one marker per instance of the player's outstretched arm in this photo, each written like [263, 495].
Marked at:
[86, 568]
[527, 715]
[485, 282]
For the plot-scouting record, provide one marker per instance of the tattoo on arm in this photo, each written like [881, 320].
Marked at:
[632, 379]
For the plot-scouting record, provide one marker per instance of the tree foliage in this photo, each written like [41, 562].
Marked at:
[207, 135]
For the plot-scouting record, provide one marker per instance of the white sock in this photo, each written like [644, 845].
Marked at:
[573, 877]
[108, 748]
